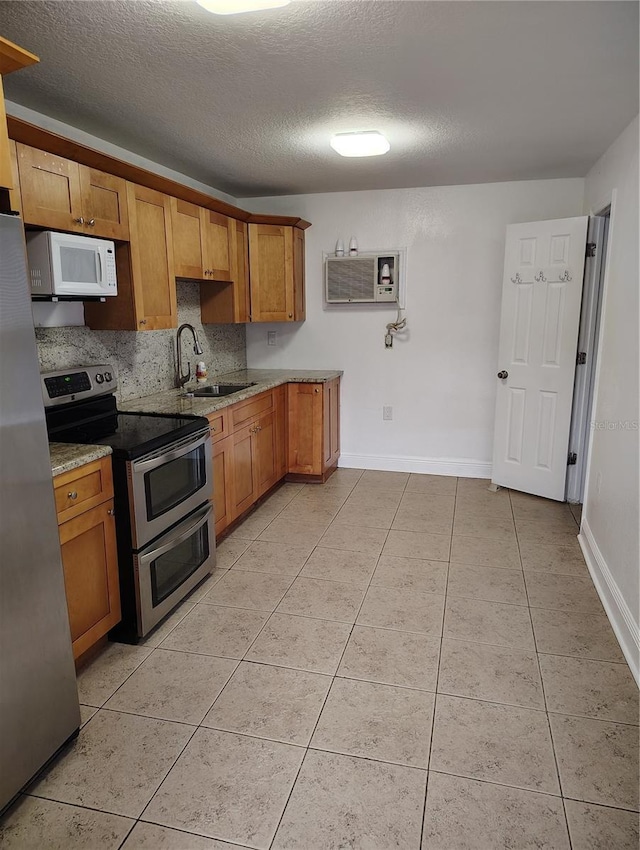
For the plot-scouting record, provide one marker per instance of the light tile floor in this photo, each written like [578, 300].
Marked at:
[385, 661]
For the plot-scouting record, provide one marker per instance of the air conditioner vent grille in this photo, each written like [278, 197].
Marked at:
[351, 279]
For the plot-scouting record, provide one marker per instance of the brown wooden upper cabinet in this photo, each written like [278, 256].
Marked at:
[203, 242]
[228, 302]
[62, 195]
[276, 273]
[12, 58]
[146, 298]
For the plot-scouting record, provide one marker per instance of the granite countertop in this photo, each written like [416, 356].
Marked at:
[66, 456]
[174, 401]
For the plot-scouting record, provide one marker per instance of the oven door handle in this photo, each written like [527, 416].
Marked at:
[156, 552]
[152, 463]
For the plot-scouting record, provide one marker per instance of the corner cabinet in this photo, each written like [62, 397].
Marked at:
[146, 298]
[276, 273]
[314, 429]
[86, 525]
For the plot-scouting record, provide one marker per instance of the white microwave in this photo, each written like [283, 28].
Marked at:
[70, 264]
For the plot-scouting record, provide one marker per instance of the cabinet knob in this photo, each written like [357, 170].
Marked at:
[317, 390]
[78, 220]
[291, 315]
[72, 494]
[143, 321]
[111, 512]
[91, 222]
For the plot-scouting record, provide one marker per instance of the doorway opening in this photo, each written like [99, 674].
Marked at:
[588, 335]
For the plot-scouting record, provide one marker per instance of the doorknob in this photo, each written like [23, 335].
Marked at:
[502, 375]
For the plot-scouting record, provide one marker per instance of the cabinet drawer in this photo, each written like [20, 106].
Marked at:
[219, 425]
[83, 488]
[251, 409]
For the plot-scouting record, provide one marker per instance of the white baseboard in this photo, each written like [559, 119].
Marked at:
[462, 467]
[620, 616]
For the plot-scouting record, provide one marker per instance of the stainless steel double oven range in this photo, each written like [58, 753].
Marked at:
[163, 483]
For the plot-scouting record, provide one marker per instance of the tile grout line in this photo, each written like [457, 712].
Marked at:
[334, 676]
[315, 726]
[435, 698]
[544, 695]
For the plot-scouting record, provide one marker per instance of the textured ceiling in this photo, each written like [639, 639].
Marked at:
[466, 92]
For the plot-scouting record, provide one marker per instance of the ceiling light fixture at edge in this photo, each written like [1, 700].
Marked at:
[365, 143]
[235, 7]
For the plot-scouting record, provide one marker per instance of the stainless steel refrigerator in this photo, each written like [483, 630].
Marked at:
[39, 708]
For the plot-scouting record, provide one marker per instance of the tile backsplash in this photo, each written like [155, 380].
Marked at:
[146, 361]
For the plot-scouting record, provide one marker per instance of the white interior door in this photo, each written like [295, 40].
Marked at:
[541, 295]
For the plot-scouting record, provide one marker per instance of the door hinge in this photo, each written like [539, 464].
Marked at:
[572, 459]
[581, 359]
[591, 249]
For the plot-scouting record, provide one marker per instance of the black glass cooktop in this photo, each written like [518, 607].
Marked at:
[130, 435]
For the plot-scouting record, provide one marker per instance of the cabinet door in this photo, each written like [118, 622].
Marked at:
[89, 559]
[306, 429]
[331, 423]
[223, 504]
[266, 453]
[245, 476]
[50, 185]
[218, 246]
[271, 273]
[188, 222]
[154, 285]
[104, 204]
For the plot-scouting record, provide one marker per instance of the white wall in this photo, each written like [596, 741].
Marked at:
[609, 534]
[441, 378]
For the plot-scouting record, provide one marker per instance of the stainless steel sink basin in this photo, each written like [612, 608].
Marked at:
[219, 390]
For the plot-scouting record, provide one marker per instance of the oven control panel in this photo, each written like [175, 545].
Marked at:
[64, 386]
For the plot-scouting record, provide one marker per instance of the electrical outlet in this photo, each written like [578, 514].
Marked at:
[387, 413]
[272, 337]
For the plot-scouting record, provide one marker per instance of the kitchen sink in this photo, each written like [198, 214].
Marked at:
[219, 390]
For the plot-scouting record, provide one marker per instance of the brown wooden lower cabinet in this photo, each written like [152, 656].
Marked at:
[314, 428]
[89, 552]
[255, 443]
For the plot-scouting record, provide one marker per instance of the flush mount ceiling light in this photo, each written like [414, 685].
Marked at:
[365, 143]
[235, 7]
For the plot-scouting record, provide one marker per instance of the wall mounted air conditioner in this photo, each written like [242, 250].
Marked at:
[362, 279]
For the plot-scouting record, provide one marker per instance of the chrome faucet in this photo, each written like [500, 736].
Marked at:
[181, 379]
